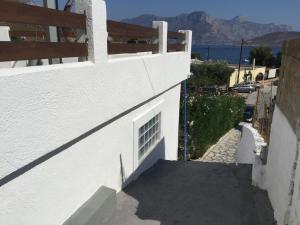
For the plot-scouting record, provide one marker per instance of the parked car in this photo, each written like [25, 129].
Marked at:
[248, 113]
[256, 84]
[244, 88]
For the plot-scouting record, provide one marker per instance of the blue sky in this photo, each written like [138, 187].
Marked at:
[262, 11]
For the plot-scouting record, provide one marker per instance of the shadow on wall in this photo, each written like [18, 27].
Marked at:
[156, 154]
[193, 193]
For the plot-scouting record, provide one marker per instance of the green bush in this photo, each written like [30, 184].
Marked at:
[210, 74]
[210, 117]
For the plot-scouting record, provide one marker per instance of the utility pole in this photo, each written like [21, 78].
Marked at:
[240, 61]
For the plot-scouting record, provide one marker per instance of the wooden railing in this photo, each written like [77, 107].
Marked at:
[175, 41]
[11, 12]
[128, 38]
[33, 44]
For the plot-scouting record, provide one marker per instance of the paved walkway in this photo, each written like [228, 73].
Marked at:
[225, 150]
[193, 193]
[251, 99]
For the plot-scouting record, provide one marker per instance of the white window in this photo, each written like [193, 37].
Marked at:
[149, 135]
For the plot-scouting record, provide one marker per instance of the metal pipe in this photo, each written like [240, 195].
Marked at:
[186, 152]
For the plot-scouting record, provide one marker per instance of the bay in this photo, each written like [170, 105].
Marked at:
[228, 53]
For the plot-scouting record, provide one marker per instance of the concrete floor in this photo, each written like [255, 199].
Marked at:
[193, 193]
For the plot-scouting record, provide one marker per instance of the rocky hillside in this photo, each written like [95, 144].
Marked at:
[275, 39]
[208, 30]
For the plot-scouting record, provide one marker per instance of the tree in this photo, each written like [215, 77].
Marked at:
[263, 56]
[196, 55]
[210, 74]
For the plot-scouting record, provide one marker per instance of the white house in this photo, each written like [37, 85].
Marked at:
[68, 129]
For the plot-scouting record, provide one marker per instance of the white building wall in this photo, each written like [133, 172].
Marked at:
[282, 153]
[56, 188]
[68, 129]
[61, 102]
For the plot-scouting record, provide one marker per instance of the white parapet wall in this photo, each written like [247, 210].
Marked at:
[249, 152]
[68, 129]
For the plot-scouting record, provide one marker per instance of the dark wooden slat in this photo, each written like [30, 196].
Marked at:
[118, 29]
[176, 47]
[13, 51]
[176, 35]
[12, 12]
[116, 48]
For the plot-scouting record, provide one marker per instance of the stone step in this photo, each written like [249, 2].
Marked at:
[97, 210]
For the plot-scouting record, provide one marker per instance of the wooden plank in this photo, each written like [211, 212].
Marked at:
[14, 51]
[116, 48]
[12, 12]
[176, 47]
[118, 29]
[176, 35]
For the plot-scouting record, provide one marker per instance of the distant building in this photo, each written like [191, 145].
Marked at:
[272, 73]
[247, 73]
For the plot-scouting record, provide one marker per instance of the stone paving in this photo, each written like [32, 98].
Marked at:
[225, 150]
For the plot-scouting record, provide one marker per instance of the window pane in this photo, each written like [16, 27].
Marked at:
[141, 141]
[141, 130]
[149, 135]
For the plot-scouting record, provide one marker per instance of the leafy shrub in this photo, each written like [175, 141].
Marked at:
[210, 74]
[210, 117]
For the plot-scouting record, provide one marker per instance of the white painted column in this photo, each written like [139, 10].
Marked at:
[96, 31]
[162, 27]
[4, 36]
[188, 40]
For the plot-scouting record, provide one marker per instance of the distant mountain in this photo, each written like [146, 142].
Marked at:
[207, 30]
[275, 39]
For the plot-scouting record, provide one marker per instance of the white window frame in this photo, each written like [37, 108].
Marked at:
[140, 121]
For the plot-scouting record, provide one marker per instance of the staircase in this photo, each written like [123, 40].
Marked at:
[193, 193]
